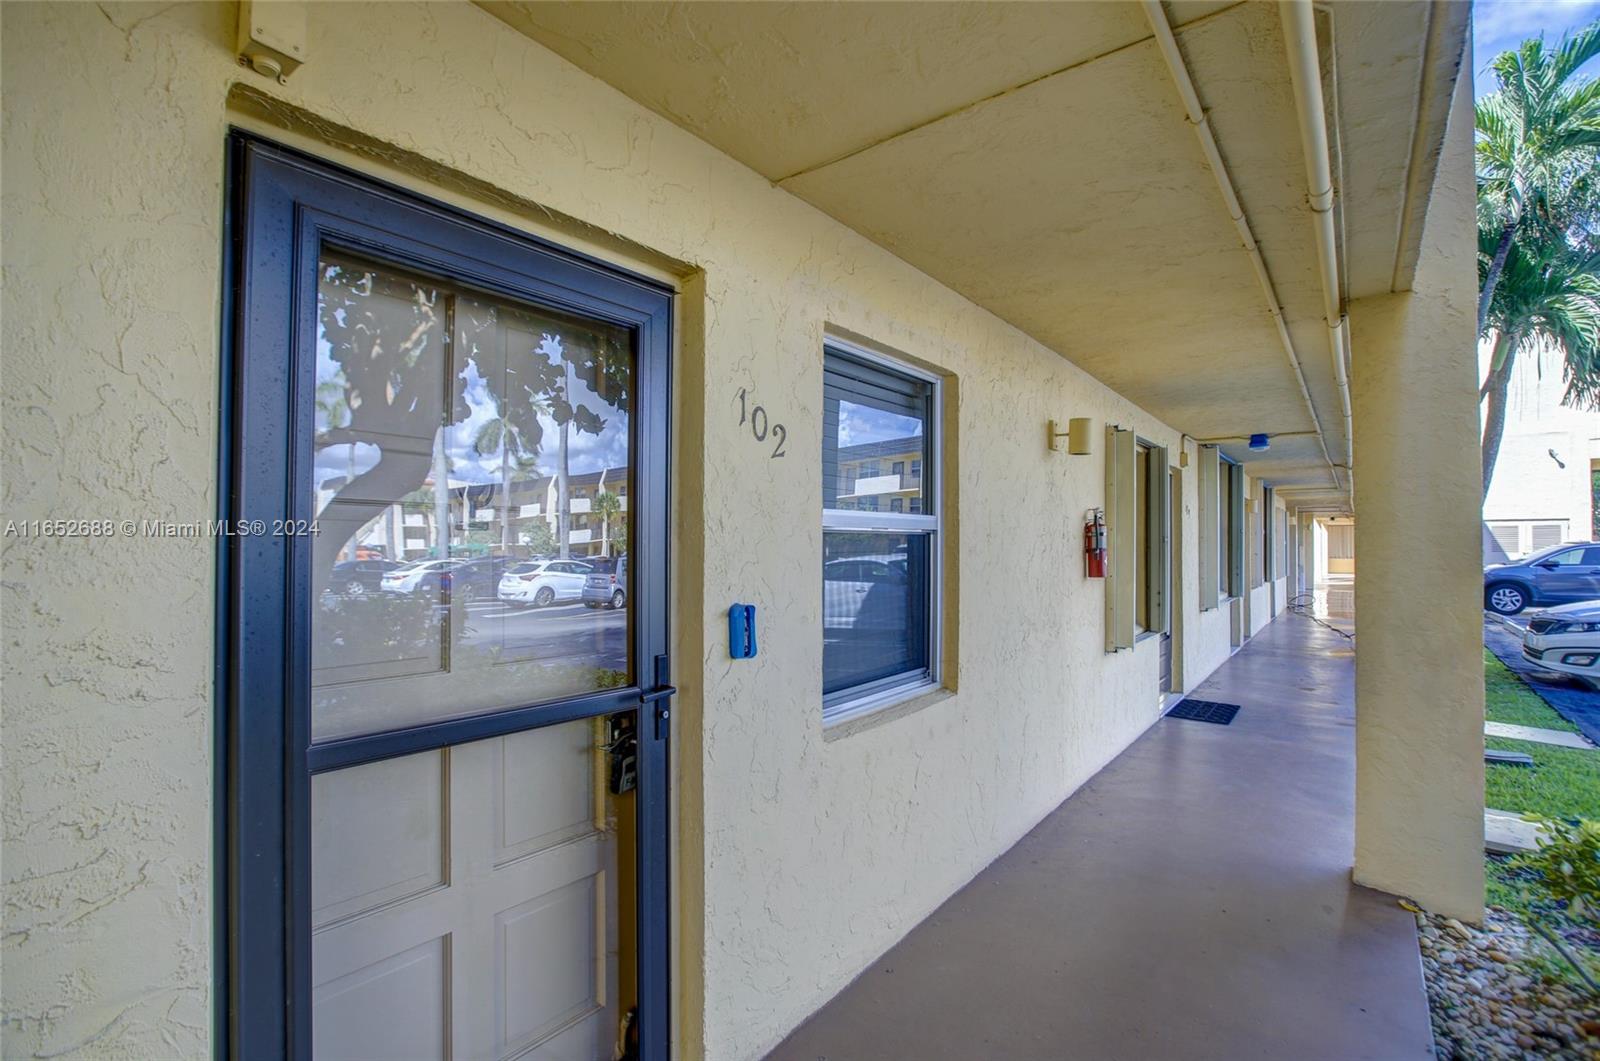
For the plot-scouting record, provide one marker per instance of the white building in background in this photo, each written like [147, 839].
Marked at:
[1542, 493]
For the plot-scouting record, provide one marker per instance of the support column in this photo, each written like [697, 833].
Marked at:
[1419, 584]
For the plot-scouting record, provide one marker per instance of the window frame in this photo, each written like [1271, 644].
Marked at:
[855, 701]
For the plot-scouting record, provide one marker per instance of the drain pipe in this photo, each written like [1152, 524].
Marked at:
[1305, 73]
[1168, 45]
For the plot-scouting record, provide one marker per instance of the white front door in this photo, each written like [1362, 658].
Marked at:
[464, 903]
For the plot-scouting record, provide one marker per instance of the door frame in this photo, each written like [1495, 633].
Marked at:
[1175, 595]
[282, 204]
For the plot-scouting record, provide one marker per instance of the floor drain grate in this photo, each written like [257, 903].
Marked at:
[1205, 711]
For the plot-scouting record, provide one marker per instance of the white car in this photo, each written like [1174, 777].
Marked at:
[408, 577]
[543, 582]
[864, 593]
[1566, 639]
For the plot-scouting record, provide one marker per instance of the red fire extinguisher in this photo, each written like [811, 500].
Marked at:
[1094, 544]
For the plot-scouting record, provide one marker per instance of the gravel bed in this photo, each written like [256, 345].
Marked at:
[1486, 1003]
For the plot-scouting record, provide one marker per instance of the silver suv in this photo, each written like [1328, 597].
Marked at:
[1557, 575]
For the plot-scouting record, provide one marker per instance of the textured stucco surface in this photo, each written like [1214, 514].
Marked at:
[800, 858]
[1419, 729]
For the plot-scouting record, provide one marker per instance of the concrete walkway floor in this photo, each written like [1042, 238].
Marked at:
[1193, 900]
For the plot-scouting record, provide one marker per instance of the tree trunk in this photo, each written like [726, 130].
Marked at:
[441, 498]
[505, 490]
[350, 477]
[1498, 389]
[1492, 279]
[563, 502]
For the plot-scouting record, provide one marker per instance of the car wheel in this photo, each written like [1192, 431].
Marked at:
[544, 597]
[354, 589]
[1505, 598]
[618, 599]
[466, 594]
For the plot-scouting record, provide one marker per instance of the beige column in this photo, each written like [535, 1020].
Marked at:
[1419, 585]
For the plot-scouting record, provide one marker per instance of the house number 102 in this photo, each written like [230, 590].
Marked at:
[757, 418]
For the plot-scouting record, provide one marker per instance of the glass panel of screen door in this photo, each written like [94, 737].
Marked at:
[471, 490]
[464, 903]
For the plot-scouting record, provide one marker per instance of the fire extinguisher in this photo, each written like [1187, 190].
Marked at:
[1094, 544]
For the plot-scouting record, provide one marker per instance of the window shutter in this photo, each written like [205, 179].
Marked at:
[1236, 535]
[1209, 485]
[1122, 577]
[1160, 559]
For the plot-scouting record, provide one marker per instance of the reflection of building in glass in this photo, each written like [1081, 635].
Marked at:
[882, 476]
[409, 530]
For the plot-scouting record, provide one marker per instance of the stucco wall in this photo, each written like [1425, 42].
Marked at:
[1419, 729]
[1528, 482]
[802, 856]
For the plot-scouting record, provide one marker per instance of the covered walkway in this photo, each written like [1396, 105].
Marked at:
[1193, 900]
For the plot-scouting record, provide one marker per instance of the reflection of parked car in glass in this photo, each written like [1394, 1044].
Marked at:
[1558, 575]
[409, 578]
[457, 580]
[607, 583]
[864, 592]
[1566, 639]
[543, 582]
[355, 578]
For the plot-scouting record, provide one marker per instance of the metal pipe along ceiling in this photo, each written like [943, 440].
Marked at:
[1305, 73]
[1168, 45]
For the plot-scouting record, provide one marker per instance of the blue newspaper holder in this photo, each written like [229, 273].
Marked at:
[742, 631]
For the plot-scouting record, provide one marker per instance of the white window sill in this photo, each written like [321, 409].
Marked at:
[879, 708]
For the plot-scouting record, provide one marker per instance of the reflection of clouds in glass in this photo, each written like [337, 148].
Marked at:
[586, 452]
[860, 424]
[334, 462]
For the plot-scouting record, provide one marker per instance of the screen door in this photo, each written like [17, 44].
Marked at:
[448, 681]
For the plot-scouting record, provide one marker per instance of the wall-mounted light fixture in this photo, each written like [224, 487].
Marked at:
[1077, 435]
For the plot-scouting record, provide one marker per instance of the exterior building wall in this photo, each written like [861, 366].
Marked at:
[801, 854]
[1530, 487]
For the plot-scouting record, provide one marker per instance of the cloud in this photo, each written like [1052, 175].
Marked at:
[1501, 25]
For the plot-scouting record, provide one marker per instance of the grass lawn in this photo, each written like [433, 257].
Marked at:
[1507, 699]
[1563, 782]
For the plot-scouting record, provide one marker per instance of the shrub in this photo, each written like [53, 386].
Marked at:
[1567, 864]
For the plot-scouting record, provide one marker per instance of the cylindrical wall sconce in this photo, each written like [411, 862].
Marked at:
[1079, 432]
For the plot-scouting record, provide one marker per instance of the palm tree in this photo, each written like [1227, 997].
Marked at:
[503, 433]
[1533, 136]
[1548, 295]
[607, 506]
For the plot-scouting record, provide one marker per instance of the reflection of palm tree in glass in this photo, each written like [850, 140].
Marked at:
[333, 411]
[607, 506]
[503, 434]
[387, 339]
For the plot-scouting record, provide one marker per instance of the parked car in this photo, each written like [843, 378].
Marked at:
[357, 578]
[864, 593]
[607, 584]
[457, 580]
[1566, 639]
[1558, 575]
[543, 582]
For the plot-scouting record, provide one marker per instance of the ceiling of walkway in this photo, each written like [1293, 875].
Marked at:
[1036, 157]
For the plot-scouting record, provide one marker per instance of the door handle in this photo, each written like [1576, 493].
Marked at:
[658, 697]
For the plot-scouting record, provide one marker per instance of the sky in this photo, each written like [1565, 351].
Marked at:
[1500, 25]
